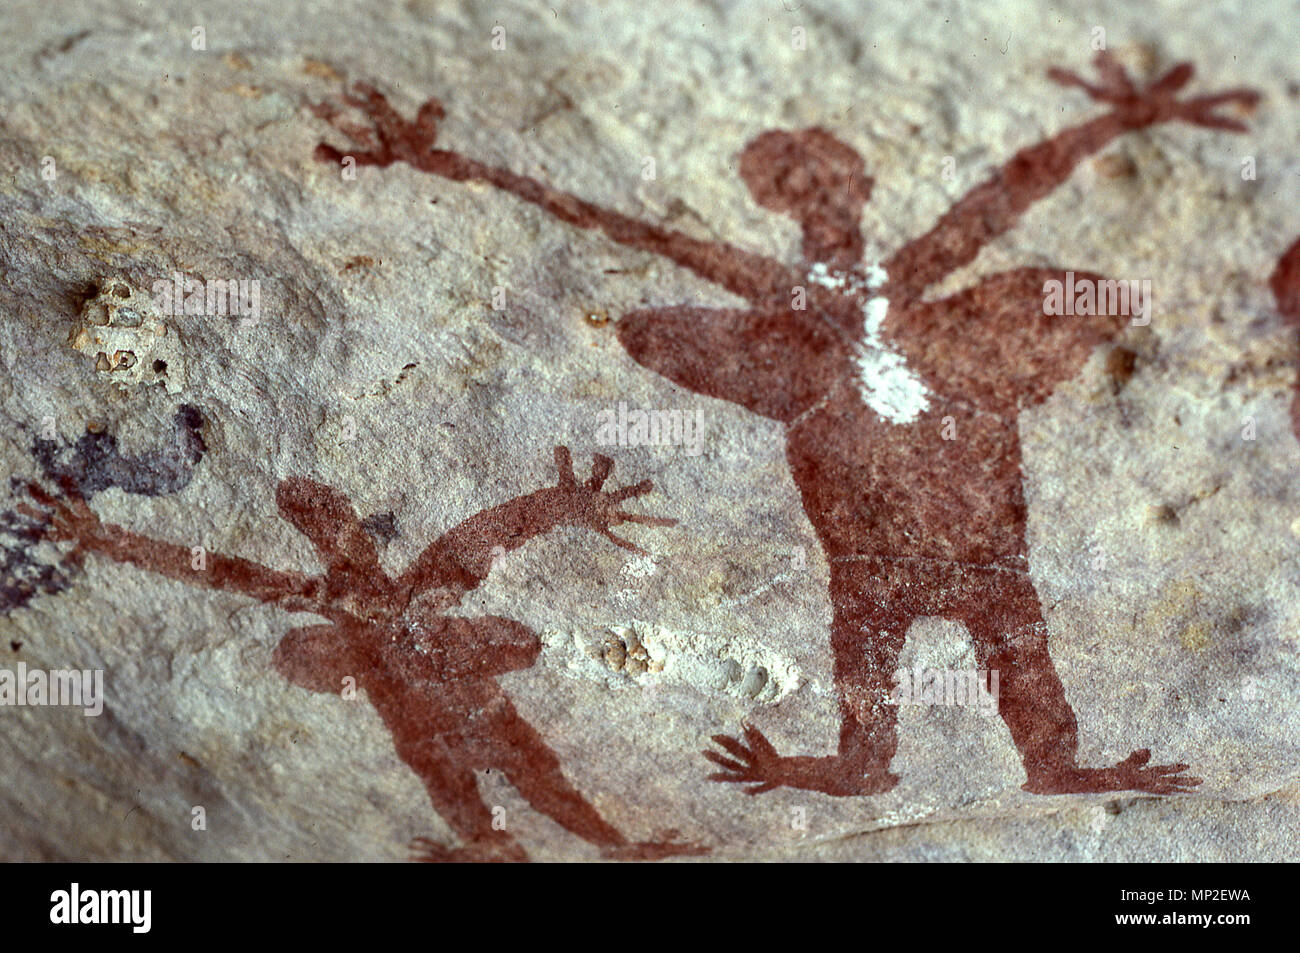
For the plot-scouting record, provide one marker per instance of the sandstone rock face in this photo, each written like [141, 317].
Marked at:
[347, 500]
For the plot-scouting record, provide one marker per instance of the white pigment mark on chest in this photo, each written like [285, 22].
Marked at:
[885, 383]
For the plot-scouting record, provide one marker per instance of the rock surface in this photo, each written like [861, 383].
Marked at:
[421, 341]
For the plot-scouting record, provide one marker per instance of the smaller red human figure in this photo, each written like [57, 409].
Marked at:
[431, 676]
[1285, 284]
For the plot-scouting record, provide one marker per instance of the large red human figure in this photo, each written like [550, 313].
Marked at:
[865, 376]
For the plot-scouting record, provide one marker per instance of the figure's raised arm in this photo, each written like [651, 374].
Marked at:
[69, 518]
[461, 558]
[992, 208]
[390, 138]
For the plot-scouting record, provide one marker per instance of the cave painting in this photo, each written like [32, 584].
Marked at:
[431, 676]
[863, 378]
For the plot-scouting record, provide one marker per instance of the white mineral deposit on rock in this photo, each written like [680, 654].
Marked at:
[128, 341]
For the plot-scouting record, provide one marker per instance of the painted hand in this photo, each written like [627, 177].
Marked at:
[64, 517]
[590, 506]
[389, 138]
[1156, 103]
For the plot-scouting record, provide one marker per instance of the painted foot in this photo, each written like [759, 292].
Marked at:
[425, 850]
[1131, 774]
[664, 844]
[758, 763]
[1157, 103]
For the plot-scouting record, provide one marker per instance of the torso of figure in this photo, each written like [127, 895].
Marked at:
[875, 487]
[899, 457]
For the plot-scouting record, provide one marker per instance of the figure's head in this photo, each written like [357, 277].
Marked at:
[325, 516]
[819, 182]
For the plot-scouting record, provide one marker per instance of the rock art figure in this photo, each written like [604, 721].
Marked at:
[431, 676]
[864, 375]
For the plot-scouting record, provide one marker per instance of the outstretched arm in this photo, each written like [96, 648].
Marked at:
[461, 558]
[992, 208]
[394, 139]
[70, 518]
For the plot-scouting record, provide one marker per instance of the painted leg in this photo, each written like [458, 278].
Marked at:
[867, 634]
[1010, 638]
[449, 778]
[534, 769]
